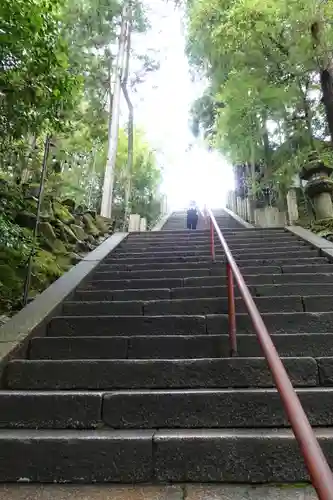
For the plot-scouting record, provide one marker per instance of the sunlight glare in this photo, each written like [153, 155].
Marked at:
[202, 176]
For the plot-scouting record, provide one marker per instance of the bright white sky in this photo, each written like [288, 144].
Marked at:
[162, 105]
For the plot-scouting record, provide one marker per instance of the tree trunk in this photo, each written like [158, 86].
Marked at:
[325, 70]
[326, 80]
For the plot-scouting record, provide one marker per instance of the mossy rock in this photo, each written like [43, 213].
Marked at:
[26, 219]
[101, 224]
[75, 258]
[70, 235]
[89, 225]
[79, 232]
[83, 246]
[70, 204]
[47, 231]
[57, 246]
[91, 239]
[47, 211]
[78, 220]
[62, 213]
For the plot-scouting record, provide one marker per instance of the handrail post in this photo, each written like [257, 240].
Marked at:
[212, 240]
[231, 312]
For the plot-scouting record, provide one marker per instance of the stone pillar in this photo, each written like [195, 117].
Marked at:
[319, 186]
[238, 205]
[134, 223]
[243, 209]
[143, 224]
[323, 206]
[250, 210]
[233, 205]
[292, 206]
[246, 215]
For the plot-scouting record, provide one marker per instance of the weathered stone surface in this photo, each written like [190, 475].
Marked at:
[78, 348]
[229, 456]
[86, 326]
[122, 295]
[47, 230]
[98, 308]
[35, 410]
[89, 492]
[311, 269]
[75, 456]
[275, 322]
[101, 224]
[288, 344]
[220, 305]
[318, 303]
[199, 292]
[250, 408]
[79, 232]
[180, 346]
[89, 225]
[62, 213]
[319, 277]
[287, 289]
[155, 274]
[158, 374]
[250, 492]
[262, 269]
[325, 366]
[134, 284]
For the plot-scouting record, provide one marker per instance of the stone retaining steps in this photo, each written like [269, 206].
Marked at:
[133, 381]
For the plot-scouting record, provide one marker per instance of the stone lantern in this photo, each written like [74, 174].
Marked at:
[319, 187]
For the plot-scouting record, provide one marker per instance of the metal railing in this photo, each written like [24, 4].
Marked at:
[319, 470]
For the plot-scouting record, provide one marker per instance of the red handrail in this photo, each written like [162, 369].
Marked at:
[319, 470]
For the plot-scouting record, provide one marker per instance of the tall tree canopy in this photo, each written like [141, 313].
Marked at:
[270, 68]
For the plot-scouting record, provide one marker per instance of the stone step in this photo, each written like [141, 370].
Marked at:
[80, 348]
[87, 326]
[231, 455]
[209, 281]
[50, 409]
[197, 271]
[58, 456]
[180, 456]
[189, 306]
[262, 279]
[294, 322]
[307, 268]
[133, 283]
[163, 250]
[168, 409]
[122, 295]
[175, 251]
[103, 326]
[200, 263]
[206, 408]
[220, 305]
[175, 347]
[204, 242]
[157, 374]
[297, 251]
[271, 290]
[157, 492]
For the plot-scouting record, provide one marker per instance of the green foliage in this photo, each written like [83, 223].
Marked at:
[57, 61]
[264, 63]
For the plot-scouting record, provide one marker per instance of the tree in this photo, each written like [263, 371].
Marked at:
[266, 64]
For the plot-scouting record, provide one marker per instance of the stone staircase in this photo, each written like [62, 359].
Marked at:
[133, 382]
